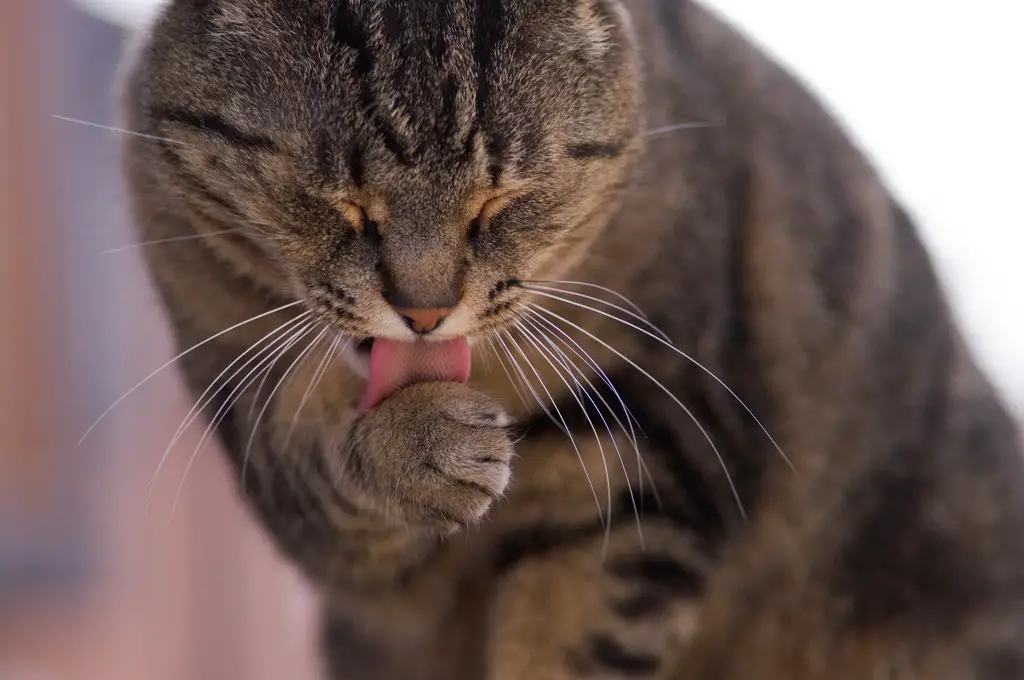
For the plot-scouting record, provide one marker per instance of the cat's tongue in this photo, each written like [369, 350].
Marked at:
[394, 365]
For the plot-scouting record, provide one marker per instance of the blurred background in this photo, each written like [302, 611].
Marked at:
[98, 580]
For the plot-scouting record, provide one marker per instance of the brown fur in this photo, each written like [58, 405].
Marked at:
[764, 245]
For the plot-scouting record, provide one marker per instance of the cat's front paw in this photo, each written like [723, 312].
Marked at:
[434, 454]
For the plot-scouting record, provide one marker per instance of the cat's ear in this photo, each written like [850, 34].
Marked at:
[239, 15]
[601, 23]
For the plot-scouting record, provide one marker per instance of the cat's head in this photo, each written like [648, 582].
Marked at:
[401, 163]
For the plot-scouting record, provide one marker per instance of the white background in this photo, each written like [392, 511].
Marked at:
[932, 90]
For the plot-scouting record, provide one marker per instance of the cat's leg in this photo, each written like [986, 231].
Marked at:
[373, 507]
[577, 596]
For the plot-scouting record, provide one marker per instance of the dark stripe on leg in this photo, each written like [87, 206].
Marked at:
[662, 571]
[651, 602]
[607, 653]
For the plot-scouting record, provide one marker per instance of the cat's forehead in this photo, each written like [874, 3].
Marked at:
[404, 24]
[415, 61]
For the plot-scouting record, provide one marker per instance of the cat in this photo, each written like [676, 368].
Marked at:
[562, 339]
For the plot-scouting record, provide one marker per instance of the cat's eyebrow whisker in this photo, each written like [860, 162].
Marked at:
[677, 126]
[232, 399]
[111, 128]
[684, 355]
[564, 425]
[638, 317]
[665, 390]
[172, 239]
[534, 319]
[551, 352]
[163, 366]
[206, 398]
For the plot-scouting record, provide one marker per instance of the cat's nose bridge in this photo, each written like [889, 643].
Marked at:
[423, 284]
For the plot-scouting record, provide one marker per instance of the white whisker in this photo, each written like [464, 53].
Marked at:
[686, 356]
[176, 358]
[532, 318]
[524, 380]
[580, 352]
[251, 418]
[111, 128]
[638, 317]
[203, 400]
[511, 380]
[226, 407]
[284, 376]
[672, 128]
[314, 381]
[172, 239]
[569, 342]
[545, 354]
[565, 425]
[632, 305]
[667, 392]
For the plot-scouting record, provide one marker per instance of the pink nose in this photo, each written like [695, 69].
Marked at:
[423, 320]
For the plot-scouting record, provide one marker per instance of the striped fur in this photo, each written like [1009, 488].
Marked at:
[353, 147]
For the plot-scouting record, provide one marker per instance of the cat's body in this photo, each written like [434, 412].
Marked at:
[763, 245]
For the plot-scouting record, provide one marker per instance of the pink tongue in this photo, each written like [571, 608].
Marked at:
[394, 365]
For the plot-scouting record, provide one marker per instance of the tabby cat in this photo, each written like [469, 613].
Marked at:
[400, 213]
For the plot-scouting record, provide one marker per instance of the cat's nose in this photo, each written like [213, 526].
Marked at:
[421, 320]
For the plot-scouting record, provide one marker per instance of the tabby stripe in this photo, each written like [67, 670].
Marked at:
[387, 132]
[489, 31]
[441, 21]
[644, 604]
[699, 512]
[211, 123]
[469, 144]
[497, 146]
[543, 538]
[193, 183]
[589, 150]
[609, 653]
[449, 114]
[325, 153]
[662, 571]
[464, 483]
[349, 33]
[540, 539]
[356, 159]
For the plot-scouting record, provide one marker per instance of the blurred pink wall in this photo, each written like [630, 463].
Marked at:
[160, 593]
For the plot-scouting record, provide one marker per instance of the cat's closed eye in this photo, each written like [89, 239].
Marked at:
[487, 206]
[353, 213]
